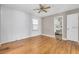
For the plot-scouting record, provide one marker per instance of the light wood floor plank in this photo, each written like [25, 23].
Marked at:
[41, 45]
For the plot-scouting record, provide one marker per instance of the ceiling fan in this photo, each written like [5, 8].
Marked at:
[42, 8]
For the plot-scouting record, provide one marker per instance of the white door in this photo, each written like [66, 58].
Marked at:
[72, 27]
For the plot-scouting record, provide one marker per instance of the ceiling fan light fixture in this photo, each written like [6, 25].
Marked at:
[42, 8]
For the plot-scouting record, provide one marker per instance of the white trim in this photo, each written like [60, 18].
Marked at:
[20, 38]
[31, 36]
[53, 36]
[48, 35]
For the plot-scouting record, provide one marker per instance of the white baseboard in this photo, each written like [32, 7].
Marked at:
[30, 36]
[53, 36]
[48, 35]
[19, 39]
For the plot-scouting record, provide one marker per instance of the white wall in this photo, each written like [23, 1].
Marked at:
[0, 23]
[48, 25]
[14, 25]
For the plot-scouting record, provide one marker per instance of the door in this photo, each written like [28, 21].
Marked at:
[58, 24]
[72, 27]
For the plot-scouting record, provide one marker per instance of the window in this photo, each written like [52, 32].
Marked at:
[35, 24]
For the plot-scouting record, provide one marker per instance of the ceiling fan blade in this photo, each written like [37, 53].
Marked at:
[44, 10]
[47, 7]
[36, 9]
[39, 11]
[40, 5]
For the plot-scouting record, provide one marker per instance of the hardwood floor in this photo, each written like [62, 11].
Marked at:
[41, 45]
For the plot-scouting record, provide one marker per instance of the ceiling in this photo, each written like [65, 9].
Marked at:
[55, 8]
